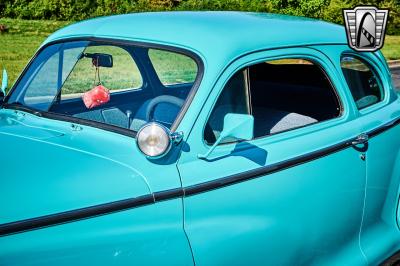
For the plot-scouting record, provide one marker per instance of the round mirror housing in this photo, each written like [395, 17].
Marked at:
[154, 140]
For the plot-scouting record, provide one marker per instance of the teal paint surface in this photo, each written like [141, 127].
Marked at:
[335, 210]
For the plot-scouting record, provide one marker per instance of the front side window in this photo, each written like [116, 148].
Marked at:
[362, 81]
[102, 82]
[281, 95]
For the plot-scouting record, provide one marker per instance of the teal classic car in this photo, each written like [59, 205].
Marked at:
[207, 138]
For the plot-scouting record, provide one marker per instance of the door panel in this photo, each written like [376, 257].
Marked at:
[383, 182]
[287, 199]
[380, 237]
[308, 214]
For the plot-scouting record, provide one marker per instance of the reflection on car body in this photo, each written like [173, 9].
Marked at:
[180, 141]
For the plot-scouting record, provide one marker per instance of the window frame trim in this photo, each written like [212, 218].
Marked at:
[305, 56]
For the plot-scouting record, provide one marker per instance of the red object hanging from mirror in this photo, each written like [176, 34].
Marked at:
[97, 96]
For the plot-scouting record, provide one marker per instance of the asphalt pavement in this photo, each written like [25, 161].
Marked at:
[396, 76]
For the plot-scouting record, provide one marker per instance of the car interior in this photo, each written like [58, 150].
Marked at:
[130, 109]
[363, 84]
[280, 96]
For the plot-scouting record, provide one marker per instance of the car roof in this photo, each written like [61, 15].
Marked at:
[209, 33]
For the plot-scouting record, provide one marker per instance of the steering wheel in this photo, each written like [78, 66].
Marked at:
[162, 99]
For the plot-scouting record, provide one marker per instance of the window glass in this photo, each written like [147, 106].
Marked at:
[44, 87]
[281, 95]
[100, 81]
[173, 68]
[362, 81]
[123, 75]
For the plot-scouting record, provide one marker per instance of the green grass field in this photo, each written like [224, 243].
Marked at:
[24, 37]
[391, 48]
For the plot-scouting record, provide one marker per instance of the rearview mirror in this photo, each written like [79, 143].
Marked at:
[99, 59]
[4, 84]
[236, 126]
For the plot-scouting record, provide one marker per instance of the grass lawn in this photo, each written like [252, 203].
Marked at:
[20, 43]
[391, 47]
[24, 37]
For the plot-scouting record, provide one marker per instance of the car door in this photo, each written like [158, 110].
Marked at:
[368, 78]
[288, 198]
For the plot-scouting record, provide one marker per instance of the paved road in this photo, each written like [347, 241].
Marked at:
[396, 77]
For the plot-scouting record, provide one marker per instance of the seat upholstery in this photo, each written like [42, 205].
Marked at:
[266, 121]
[270, 121]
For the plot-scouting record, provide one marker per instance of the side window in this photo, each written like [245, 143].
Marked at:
[173, 68]
[123, 75]
[280, 94]
[362, 81]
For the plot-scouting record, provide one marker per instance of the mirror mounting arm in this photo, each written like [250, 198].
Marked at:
[176, 137]
[236, 126]
[210, 150]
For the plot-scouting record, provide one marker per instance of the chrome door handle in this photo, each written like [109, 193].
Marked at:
[361, 139]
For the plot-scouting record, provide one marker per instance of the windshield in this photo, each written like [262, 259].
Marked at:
[120, 85]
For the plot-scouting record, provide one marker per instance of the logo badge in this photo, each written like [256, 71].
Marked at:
[365, 27]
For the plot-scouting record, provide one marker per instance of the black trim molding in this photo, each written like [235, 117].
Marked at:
[107, 208]
[73, 215]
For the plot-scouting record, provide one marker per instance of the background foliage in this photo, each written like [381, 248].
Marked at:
[330, 10]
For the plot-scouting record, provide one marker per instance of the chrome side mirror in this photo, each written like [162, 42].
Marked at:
[154, 140]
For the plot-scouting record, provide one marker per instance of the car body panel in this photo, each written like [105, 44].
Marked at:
[187, 29]
[324, 205]
[87, 168]
[151, 235]
[70, 175]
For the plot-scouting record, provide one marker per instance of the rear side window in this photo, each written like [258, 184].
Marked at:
[362, 81]
[281, 95]
[173, 68]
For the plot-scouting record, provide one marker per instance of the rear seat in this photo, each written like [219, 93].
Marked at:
[266, 121]
[271, 121]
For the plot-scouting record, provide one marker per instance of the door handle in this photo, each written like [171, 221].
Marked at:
[360, 139]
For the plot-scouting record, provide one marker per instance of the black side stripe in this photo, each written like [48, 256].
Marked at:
[265, 170]
[73, 215]
[116, 206]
